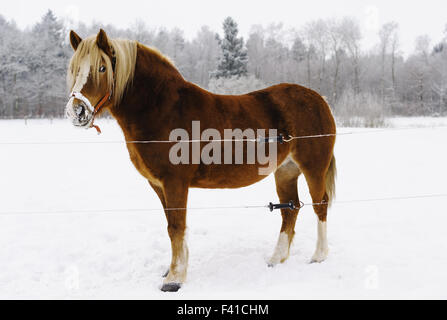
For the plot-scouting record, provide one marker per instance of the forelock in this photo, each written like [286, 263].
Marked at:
[125, 54]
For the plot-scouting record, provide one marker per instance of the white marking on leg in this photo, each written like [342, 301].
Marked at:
[281, 252]
[322, 249]
[178, 274]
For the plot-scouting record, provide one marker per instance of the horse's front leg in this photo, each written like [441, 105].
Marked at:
[176, 195]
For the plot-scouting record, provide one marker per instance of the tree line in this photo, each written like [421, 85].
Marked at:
[325, 55]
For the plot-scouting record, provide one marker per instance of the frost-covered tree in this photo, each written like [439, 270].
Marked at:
[13, 69]
[269, 55]
[235, 84]
[277, 52]
[388, 38]
[420, 72]
[141, 32]
[203, 55]
[299, 50]
[47, 63]
[317, 36]
[439, 76]
[256, 51]
[351, 36]
[325, 55]
[233, 60]
[335, 34]
[50, 29]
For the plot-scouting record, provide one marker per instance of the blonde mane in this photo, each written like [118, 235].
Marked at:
[125, 53]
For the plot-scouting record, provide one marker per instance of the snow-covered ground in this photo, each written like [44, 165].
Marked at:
[390, 249]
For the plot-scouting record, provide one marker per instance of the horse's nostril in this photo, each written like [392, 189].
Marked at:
[80, 110]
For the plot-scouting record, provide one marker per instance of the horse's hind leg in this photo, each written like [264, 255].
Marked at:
[320, 176]
[286, 177]
[320, 200]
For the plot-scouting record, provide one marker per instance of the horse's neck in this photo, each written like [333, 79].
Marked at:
[150, 95]
[151, 65]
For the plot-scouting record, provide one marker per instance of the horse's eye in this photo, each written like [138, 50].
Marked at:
[102, 69]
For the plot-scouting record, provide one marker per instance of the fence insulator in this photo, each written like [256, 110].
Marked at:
[290, 205]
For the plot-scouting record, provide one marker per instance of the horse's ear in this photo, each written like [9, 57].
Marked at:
[75, 40]
[102, 41]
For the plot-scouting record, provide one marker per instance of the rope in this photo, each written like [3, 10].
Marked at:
[142, 210]
[288, 139]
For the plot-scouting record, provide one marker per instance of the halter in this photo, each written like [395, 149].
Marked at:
[100, 104]
[93, 110]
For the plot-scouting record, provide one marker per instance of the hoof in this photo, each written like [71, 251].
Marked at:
[171, 287]
[319, 257]
[274, 261]
[165, 274]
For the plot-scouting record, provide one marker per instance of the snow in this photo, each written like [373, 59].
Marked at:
[390, 249]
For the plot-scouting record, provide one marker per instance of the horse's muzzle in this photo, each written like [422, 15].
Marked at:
[82, 115]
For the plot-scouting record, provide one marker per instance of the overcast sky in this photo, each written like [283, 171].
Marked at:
[414, 17]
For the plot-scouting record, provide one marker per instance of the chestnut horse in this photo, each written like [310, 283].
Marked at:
[149, 98]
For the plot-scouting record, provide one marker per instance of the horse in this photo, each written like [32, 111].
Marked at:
[143, 90]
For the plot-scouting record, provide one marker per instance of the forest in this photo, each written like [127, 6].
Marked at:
[362, 86]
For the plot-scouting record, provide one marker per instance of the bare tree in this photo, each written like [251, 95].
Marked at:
[301, 57]
[387, 35]
[422, 69]
[394, 50]
[316, 35]
[335, 36]
[141, 32]
[255, 49]
[204, 55]
[351, 36]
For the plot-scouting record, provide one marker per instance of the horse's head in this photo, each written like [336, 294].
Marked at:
[90, 78]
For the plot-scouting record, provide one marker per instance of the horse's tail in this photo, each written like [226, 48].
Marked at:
[331, 175]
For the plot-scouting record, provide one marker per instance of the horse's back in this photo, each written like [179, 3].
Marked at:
[297, 109]
[303, 112]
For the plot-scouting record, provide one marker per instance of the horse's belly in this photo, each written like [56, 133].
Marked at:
[230, 176]
[215, 176]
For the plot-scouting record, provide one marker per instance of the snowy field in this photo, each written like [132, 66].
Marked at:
[389, 249]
